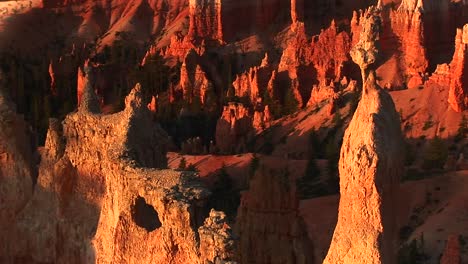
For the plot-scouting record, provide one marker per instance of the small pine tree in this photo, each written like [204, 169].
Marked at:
[291, 104]
[462, 129]
[182, 164]
[435, 155]
[273, 105]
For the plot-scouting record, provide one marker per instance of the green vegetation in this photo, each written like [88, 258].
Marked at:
[413, 253]
[225, 197]
[428, 124]
[182, 164]
[310, 184]
[273, 105]
[291, 105]
[462, 132]
[435, 155]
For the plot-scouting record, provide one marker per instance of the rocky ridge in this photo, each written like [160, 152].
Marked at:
[100, 197]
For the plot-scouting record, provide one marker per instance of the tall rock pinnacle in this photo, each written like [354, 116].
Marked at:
[458, 93]
[370, 166]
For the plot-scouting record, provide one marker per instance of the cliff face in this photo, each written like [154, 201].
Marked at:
[270, 228]
[98, 198]
[17, 174]
[370, 167]
[408, 27]
[205, 20]
[458, 93]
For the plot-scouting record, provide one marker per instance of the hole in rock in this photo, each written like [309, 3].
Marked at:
[145, 215]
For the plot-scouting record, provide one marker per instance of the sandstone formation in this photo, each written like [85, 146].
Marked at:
[17, 169]
[458, 93]
[205, 20]
[234, 129]
[270, 229]
[370, 167]
[452, 251]
[102, 197]
[330, 53]
[252, 83]
[407, 25]
[196, 88]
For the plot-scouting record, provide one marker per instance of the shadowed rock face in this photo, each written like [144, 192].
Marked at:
[100, 199]
[370, 167]
[270, 228]
[16, 168]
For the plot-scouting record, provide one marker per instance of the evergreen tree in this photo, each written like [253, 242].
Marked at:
[436, 154]
[291, 105]
[182, 164]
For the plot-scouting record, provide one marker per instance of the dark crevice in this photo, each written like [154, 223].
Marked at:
[144, 215]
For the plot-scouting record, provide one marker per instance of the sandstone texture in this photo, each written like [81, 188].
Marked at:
[458, 93]
[17, 168]
[103, 196]
[370, 167]
[270, 229]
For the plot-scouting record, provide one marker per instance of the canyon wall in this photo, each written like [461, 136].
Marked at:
[458, 93]
[102, 197]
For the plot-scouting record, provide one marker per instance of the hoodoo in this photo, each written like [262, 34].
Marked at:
[370, 167]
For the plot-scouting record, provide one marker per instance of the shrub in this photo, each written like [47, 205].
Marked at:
[436, 154]
[182, 164]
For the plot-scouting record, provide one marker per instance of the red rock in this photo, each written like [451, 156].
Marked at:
[96, 183]
[269, 222]
[330, 52]
[194, 81]
[370, 167]
[205, 20]
[452, 251]
[16, 169]
[407, 25]
[458, 93]
[153, 105]
[53, 87]
[234, 129]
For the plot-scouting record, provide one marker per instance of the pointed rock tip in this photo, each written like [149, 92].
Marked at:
[134, 99]
[89, 100]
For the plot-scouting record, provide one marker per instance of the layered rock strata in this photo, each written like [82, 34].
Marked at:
[370, 166]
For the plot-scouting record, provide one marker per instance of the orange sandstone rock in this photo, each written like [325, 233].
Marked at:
[452, 251]
[458, 93]
[370, 167]
[104, 196]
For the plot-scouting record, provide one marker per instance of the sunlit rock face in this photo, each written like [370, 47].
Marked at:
[458, 93]
[205, 19]
[370, 167]
[103, 196]
[408, 27]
